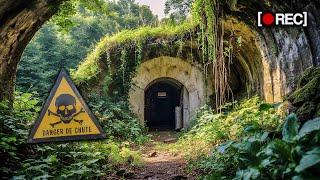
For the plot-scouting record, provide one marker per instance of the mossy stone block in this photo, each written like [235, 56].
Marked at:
[317, 114]
[309, 92]
[306, 111]
[308, 75]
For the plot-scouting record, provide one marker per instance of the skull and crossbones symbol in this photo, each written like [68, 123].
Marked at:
[66, 110]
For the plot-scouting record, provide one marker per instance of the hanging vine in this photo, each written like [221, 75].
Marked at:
[123, 59]
[210, 17]
[138, 52]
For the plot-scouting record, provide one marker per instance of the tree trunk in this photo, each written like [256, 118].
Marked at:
[19, 21]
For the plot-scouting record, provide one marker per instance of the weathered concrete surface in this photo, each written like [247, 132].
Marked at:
[313, 30]
[19, 21]
[267, 61]
[285, 55]
[271, 58]
[190, 76]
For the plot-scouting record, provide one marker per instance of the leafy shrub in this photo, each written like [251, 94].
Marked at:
[74, 160]
[77, 160]
[262, 155]
[117, 120]
[210, 129]
[14, 130]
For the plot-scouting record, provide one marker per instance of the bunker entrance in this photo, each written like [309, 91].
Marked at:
[163, 104]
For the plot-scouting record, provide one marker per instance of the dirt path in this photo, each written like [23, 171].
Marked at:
[161, 164]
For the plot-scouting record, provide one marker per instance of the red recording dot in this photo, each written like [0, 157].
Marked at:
[268, 19]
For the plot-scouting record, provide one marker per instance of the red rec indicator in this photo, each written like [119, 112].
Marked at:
[267, 19]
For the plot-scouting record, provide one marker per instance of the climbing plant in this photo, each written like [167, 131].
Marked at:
[209, 14]
[126, 49]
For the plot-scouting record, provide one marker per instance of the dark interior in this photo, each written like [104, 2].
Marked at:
[161, 98]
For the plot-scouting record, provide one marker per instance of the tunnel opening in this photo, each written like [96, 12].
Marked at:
[245, 67]
[163, 104]
[237, 78]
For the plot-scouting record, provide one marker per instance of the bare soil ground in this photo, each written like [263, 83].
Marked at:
[160, 164]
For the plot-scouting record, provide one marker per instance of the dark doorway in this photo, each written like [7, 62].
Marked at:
[161, 98]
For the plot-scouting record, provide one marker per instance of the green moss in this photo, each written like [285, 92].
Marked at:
[308, 75]
[308, 87]
[89, 68]
[317, 114]
[306, 110]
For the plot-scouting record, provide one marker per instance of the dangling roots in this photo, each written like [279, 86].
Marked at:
[221, 68]
[212, 43]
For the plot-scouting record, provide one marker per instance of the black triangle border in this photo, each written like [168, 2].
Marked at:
[102, 134]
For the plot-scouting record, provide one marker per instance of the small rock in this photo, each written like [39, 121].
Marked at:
[121, 172]
[174, 154]
[170, 140]
[148, 176]
[124, 173]
[153, 154]
[179, 177]
[169, 172]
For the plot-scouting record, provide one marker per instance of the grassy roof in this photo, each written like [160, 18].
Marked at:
[89, 68]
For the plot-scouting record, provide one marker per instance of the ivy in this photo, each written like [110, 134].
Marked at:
[123, 59]
[136, 39]
[138, 52]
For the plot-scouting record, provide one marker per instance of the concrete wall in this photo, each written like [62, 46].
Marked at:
[190, 76]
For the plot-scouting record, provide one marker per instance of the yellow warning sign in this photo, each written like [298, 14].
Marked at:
[65, 116]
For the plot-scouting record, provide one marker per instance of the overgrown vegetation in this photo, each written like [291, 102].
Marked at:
[119, 123]
[244, 140]
[253, 140]
[210, 129]
[66, 160]
[83, 160]
[65, 40]
[306, 99]
[14, 130]
[268, 155]
[63, 43]
[90, 68]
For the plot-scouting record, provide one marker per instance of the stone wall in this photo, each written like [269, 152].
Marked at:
[267, 61]
[285, 52]
[271, 58]
[190, 76]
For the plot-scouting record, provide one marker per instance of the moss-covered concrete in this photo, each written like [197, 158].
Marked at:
[317, 114]
[308, 87]
[306, 111]
[308, 75]
[131, 40]
[306, 98]
[266, 60]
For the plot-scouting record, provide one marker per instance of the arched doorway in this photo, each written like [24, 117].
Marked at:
[183, 75]
[163, 104]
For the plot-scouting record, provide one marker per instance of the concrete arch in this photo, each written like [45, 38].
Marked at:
[189, 76]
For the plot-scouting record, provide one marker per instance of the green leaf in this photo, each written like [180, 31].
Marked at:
[309, 126]
[310, 159]
[250, 173]
[266, 162]
[224, 146]
[21, 177]
[277, 148]
[45, 176]
[265, 107]
[290, 128]
[297, 178]
[93, 161]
